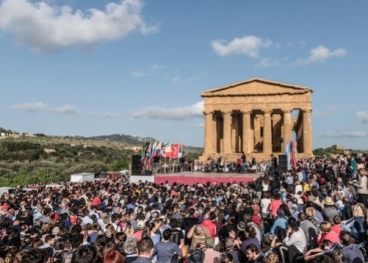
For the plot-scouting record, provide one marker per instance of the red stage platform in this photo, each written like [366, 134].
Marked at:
[203, 178]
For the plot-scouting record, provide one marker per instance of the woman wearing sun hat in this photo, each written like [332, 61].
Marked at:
[330, 210]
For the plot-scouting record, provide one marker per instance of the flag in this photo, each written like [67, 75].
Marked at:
[144, 149]
[180, 151]
[294, 153]
[288, 151]
[148, 151]
[174, 151]
[153, 149]
[168, 150]
[158, 148]
[163, 149]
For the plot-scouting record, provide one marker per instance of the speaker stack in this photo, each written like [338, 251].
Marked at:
[136, 165]
[283, 165]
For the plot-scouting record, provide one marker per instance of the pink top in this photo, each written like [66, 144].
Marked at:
[256, 209]
[274, 206]
[330, 236]
[337, 229]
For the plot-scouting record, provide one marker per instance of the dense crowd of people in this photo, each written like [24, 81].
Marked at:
[315, 212]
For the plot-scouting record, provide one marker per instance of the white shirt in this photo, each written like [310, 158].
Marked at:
[265, 203]
[265, 187]
[298, 240]
[298, 188]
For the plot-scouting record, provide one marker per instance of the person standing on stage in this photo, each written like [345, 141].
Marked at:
[274, 164]
[244, 163]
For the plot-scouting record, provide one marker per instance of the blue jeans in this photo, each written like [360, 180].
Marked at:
[244, 167]
[352, 232]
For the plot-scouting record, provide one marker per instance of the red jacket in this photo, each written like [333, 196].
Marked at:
[211, 226]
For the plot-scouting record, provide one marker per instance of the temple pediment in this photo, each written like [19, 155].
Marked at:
[256, 87]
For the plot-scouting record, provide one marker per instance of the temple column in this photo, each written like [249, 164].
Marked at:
[286, 126]
[227, 131]
[209, 135]
[246, 132]
[267, 132]
[307, 131]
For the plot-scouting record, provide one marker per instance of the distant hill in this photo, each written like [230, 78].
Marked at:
[135, 141]
[112, 140]
[128, 140]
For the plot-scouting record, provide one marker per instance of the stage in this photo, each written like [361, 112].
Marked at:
[196, 177]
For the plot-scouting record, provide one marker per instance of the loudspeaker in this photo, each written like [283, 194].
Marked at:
[283, 165]
[136, 165]
[136, 160]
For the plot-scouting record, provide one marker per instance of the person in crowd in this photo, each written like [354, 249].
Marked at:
[356, 225]
[265, 204]
[253, 254]
[250, 238]
[280, 222]
[165, 249]
[326, 233]
[226, 258]
[130, 249]
[295, 241]
[346, 246]
[113, 256]
[211, 255]
[309, 229]
[336, 226]
[363, 187]
[145, 250]
[85, 254]
[330, 210]
[275, 205]
[198, 235]
[271, 258]
[233, 249]
[209, 224]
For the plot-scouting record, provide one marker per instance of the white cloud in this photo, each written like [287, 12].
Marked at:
[247, 45]
[175, 79]
[66, 109]
[362, 116]
[138, 74]
[301, 43]
[330, 110]
[30, 107]
[105, 115]
[346, 134]
[46, 27]
[320, 54]
[156, 67]
[180, 113]
[266, 63]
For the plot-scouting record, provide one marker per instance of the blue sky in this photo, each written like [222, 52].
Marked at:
[96, 67]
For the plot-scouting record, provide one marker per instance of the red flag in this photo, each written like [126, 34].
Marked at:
[175, 151]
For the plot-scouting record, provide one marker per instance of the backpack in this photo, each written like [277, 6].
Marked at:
[175, 236]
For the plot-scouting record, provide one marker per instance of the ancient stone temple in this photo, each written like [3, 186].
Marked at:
[257, 117]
